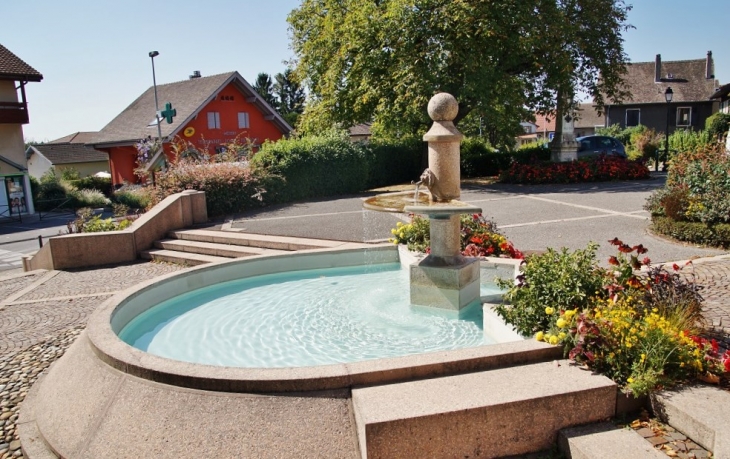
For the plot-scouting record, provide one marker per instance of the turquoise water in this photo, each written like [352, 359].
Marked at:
[303, 318]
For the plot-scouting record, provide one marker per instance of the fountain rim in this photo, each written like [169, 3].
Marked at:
[110, 349]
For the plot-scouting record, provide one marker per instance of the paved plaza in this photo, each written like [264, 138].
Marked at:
[42, 312]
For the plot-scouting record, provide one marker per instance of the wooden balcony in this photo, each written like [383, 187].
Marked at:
[13, 113]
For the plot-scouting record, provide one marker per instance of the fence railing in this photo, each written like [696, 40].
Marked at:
[58, 208]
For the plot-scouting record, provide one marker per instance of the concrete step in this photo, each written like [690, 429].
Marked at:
[605, 441]
[253, 240]
[182, 258]
[702, 413]
[215, 249]
[496, 413]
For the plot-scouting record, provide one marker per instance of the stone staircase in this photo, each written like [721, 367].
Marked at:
[194, 247]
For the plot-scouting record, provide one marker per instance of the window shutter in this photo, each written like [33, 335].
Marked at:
[242, 120]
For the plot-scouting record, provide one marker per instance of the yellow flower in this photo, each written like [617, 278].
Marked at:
[643, 357]
[539, 336]
[549, 310]
[393, 231]
[561, 335]
[553, 339]
[630, 380]
[561, 323]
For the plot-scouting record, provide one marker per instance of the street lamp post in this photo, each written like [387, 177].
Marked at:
[668, 97]
[152, 55]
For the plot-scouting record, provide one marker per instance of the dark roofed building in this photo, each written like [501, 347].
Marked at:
[77, 137]
[84, 159]
[692, 83]
[587, 120]
[210, 112]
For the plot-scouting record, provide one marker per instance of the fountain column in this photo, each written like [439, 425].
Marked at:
[445, 278]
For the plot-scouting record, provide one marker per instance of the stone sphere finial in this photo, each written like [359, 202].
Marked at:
[443, 107]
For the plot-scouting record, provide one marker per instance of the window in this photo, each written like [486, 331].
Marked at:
[633, 117]
[684, 116]
[214, 120]
[242, 120]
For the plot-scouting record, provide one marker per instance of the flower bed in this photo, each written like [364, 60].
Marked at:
[604, 168]
[479, 237]
[642, 331]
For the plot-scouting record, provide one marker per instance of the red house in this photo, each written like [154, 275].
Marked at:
[209, 111]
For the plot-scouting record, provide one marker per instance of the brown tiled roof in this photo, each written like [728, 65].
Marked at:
[361, 129]
[721, 92]
[188, 97]
[77, 137]
[14, 68]
[545, 123]
[686, 78]
[70, 153]
[588, 117]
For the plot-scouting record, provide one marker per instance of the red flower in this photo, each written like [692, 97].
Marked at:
[613, 261]
[615, 241]
[675, 267]
[646, 261]
[623, 248]
[640, 249]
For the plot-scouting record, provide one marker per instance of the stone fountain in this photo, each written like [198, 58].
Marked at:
[445, 278]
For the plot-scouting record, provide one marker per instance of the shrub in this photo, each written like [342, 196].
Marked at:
[391, 162]
[87, 222]
[89, 198]
[229, 187]
[314, 166]
[717, 234]
[645, 144]
[94, 183]
[134, 199]
[636, 329]
[685, 140]
[603, 168]
[717, 125]
[51, 192]
[705, 174]
[550, 282]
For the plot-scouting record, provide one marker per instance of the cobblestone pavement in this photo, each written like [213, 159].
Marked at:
[713, 274]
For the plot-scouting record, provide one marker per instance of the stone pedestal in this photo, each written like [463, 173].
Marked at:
[564, 151]
[448, 287]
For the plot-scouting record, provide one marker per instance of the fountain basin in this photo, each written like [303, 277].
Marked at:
[114, 314]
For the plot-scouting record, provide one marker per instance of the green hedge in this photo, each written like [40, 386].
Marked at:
[329, 165]
[717, 235]
[313, 167]
[393, 162]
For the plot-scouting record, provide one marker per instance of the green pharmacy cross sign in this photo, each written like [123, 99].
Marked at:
[168, 113]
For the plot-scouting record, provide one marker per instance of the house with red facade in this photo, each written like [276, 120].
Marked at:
[210, 111]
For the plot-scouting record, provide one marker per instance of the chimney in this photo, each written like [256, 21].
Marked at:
[658, 68]
[709, 73]
[196, 74]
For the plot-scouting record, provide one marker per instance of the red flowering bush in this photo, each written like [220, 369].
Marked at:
[229, 186]
[604, 168]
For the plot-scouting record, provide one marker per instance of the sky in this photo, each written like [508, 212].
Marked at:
[94, 54]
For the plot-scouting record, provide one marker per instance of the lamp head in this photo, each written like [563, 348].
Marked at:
[154, 54]
[668, 94]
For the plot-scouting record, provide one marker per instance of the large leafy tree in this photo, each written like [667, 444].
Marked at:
[382, 60]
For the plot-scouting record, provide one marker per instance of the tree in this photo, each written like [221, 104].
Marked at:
[382, 60]
[264, 87]
[290, 96]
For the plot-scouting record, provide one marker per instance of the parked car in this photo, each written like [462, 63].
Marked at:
[594, 145]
